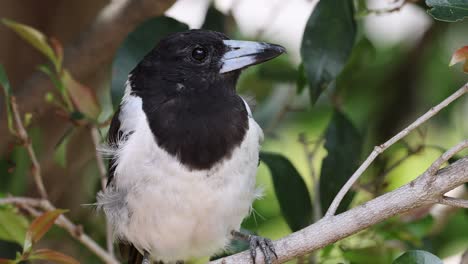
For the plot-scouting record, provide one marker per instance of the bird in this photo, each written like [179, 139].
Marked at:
[184, 151]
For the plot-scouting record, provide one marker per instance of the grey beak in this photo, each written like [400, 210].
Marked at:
[242, 54]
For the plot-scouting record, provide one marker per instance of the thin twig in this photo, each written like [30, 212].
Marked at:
[24, 137]
[456, 202]
[76, 231]
[381, 148]
[310, 155]
[446, 156]
[103, 175]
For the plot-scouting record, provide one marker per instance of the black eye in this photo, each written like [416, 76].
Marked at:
[199, 54]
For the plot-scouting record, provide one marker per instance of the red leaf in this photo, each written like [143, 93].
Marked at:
[58, 50]
[82, 96]
[459, 56]
[7, 261]
[54, 256]
[40, 226]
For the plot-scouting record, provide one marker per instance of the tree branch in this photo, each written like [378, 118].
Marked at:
[26, 141]
[456, 202]
[423, 191]
[381, 148]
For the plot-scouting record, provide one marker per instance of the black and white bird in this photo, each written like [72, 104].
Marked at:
[185, 150]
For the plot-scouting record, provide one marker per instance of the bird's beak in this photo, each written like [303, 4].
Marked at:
[242, 54]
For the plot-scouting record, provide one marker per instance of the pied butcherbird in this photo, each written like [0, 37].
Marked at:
[184, 150]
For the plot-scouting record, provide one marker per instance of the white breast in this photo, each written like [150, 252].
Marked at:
[161, 206]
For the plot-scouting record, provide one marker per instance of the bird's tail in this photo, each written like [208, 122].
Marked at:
[130, 253]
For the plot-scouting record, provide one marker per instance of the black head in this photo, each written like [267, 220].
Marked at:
[198, 61]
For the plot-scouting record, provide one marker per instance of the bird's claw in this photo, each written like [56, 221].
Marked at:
[265, 245]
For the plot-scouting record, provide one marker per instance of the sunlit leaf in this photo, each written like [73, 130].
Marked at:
[327, 43]
[39, 227]
[290, 189]
[417, 257]
[13, 226]
[82, 96]
[448, 10]
[136, 46]
[343, 144]
[460, 55]
[7, 91]
[33, 37]
[51, 255]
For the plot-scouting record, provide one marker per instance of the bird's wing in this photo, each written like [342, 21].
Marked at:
[113, 138]
[116, 137]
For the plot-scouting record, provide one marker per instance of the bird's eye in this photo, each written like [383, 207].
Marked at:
[199, 54]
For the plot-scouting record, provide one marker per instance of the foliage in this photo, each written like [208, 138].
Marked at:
[448, 10]
[36, 230]
[325, 59]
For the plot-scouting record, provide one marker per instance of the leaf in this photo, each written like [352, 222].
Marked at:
[343, 144]
[33, 37]
[7, 261]
[290, 190]
[5, 83]
[39, 227]
[448, 10]
[327, 43]
[51, 255]
[301, 80]
[13, 226]
[460, 55]
[136, 46]
[214, 20]
[82, 96]
[59, 85]
[417, 257]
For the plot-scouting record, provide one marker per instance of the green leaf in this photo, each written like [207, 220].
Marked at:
[7, 91]
[214, 20]
[39, 227]
[343, 144]
[290, 190]
[448, 10]
[59, 85]
[417, 257]
[34, 38]
[51, 255]
[60, 154]
[327, 43]
[301, 80]
[136, 46]
[13, 226]
[83, 97]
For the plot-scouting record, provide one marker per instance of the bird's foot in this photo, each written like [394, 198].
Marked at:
[265, 245]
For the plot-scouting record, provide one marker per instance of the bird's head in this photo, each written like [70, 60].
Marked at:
[197, 61]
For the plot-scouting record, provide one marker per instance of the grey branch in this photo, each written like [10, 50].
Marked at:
[427, 189]
[456, 202]
[381, 148]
